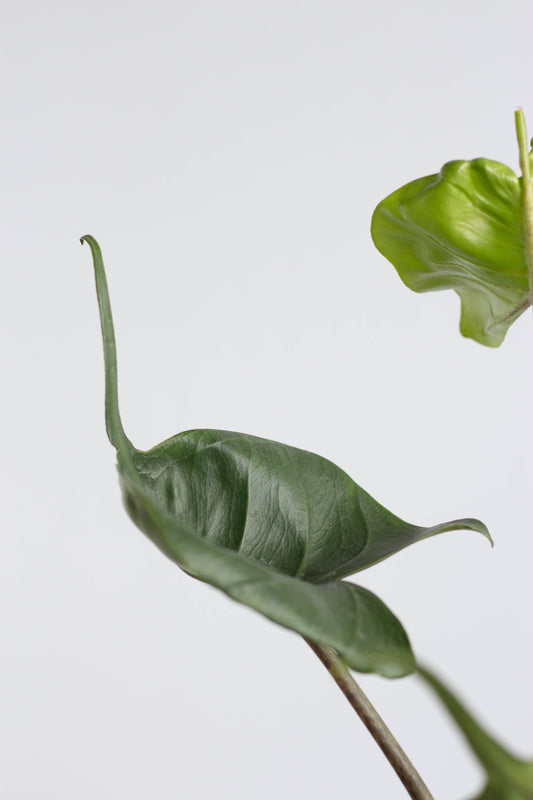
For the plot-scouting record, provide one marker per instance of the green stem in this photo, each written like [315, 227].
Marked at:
[401, 764]
[527, 193]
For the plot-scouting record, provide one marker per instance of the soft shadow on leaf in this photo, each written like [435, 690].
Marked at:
[508, 777]
[462, 229]
[272, 526]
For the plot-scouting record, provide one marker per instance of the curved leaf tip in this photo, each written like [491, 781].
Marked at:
[469, 524]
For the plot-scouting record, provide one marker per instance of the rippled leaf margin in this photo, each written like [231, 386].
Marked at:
[467, 228]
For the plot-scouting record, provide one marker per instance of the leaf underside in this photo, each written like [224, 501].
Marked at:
[462, 229]
[272, 526]
[507, 777]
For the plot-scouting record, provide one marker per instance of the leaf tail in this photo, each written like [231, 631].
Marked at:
[469, 524]
[115, 430]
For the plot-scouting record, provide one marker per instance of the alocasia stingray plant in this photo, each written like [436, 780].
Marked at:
[278, 528]
[274, 527]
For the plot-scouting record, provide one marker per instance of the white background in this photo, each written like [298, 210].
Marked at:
[228, 157]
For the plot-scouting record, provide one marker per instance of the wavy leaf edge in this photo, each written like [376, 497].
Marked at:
[468, 228]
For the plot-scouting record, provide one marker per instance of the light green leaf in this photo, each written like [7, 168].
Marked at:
[508, 777]
[274, 527]
[464, 229]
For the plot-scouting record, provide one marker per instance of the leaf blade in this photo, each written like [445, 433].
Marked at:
[461, 229]
[508, 777]
[344, 616]
[278, 495]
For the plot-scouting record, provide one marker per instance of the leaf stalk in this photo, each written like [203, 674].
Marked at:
[398, 759]
[527, 193]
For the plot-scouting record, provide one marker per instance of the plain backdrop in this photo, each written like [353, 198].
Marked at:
[228, 157]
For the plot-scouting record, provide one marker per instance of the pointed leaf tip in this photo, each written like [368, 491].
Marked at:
[479, 527]
[91, 241]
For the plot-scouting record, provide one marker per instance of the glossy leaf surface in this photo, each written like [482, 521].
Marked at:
[462, 229]
[508, 777]
[273, 526]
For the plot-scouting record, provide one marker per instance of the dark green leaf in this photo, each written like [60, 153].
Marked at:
[463, 229]
[349, 618]
[272, 526]
[285, 508]
[508, 777]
